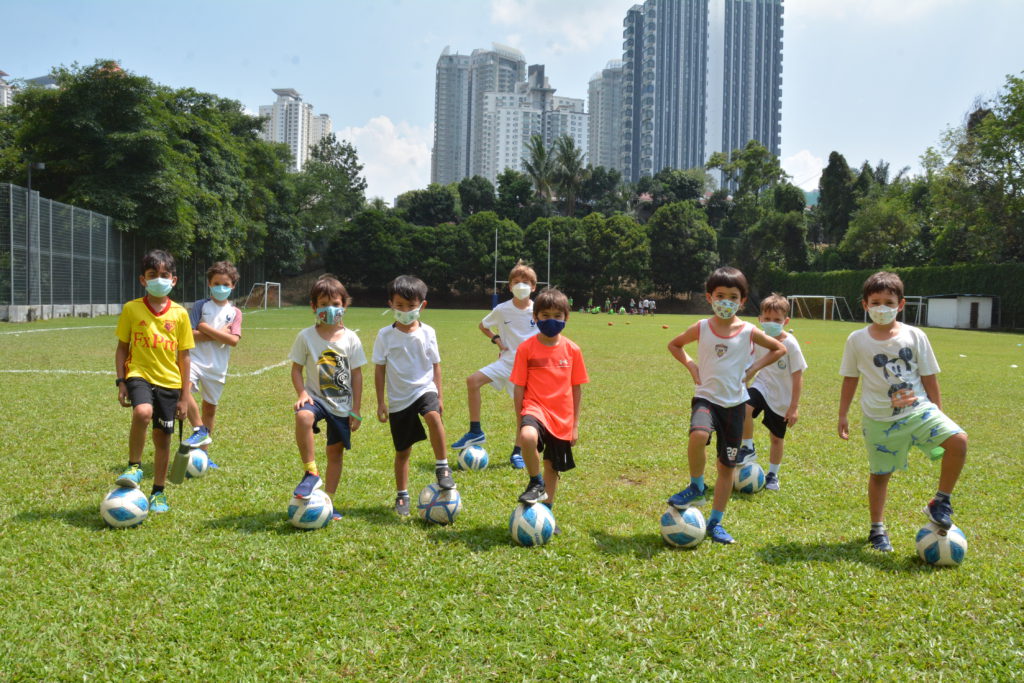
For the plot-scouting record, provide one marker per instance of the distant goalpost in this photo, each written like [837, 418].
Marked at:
[823, 306]
[264, 295]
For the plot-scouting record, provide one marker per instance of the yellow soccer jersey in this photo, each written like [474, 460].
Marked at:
[154, 339]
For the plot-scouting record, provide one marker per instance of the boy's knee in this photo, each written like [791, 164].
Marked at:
[304, 418]
[529, 436]
[143, 413]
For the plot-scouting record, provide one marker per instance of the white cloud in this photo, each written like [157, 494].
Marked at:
[395, 156]
[563, 26]
[875, 12]
[804, 168]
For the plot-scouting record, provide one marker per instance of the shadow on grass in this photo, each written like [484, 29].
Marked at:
[376, 514]
[641, 546]
[476, 539]
[846, 551]
[255, 523]
[86, 517]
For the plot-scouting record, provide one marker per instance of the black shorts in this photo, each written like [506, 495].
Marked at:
[557, 451]
[775, 423]
[337, 426]
[406, 428]
[163, 400]
[727, 423]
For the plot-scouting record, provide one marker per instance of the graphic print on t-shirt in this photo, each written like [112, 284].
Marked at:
[334, 378]
[894, 371]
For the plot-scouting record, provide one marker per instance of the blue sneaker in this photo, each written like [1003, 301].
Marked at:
[212, 465]
[940, 512]
[745, 455]
[158, 502]
[130, 478]
[310, 482]
[689, 496]
[879, 540]
[717, 533]
[516, 460]
[336, 514]
[200, 437]
[469, 439]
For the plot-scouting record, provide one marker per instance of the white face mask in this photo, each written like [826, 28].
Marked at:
[883, 315]
[406, 317]
[521, 290]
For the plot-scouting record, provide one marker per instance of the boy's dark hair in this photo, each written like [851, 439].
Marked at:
[551, 298]
[408, 287]
[727, 276]
[883, 281]
[329, 286]
[223, 268]
[775, 302]
[155, 258]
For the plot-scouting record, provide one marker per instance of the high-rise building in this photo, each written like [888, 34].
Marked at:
[499, 69]
[450, 159]
[6, 92]
[291, 121]
[605, 108]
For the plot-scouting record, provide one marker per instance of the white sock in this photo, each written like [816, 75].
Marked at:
[441, 463]
[773, 468]
[749, 443]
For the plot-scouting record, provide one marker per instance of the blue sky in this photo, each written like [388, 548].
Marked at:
[873, 79]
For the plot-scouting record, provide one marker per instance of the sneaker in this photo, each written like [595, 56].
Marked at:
[444, 477]
[689, 496]
[516, 460]
[939, 512]
[310, 482]
[534, 493]
[469, 439]
[402, 506]
[745, 455]
[556, 531]
[213, 465]
[771, 481]
[200, 437]
[336, 514]
[158, 502]
[879, 540]
[717, 533]
[130, 478]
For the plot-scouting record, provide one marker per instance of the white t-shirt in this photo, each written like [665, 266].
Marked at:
[328, 366]
[210, 358]
[723, 361]
[887, 367]
[513, 324]
[775, 382]
[410, 359]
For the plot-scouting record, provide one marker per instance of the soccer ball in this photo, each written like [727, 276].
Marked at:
[473, 458]
[124, 507]
[314, 513]
[198, 463]
[939, 547]
[748, 478]
[531, 525]
[683, 528]
[438, 505]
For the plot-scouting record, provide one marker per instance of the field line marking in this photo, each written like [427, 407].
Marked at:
[55, 371]
[63, 329]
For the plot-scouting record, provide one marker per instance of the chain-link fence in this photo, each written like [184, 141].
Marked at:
[72, 261]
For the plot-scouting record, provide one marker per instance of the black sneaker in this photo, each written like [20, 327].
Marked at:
[444, 477]
[402, 506]
[771, 481]
[939, 512]
[879, 540]
[534, 493]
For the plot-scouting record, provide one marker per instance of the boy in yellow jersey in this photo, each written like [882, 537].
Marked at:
[154, 335]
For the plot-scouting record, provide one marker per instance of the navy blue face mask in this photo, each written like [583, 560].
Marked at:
[551, 327]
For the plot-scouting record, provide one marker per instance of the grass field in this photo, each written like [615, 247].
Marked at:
[223, 588]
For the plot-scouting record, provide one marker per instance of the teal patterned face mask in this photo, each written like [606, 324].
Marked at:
[330, 315]
[407, 317]
[725, 308]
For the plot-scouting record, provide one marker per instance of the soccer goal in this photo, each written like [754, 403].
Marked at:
[820, 306]
[264, 295]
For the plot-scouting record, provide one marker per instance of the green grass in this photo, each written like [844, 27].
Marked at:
[223, 588]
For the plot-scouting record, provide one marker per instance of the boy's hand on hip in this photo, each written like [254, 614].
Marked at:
[303, 400]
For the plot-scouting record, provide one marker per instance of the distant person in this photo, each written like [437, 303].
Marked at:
[632, 306]
[507, 326]
[332, 358]
[901, 404]
[406, 356]
[151, 362]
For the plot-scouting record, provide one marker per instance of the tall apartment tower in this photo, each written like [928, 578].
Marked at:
[6, 92]
[499, 69]
[605, 108]
[291, 121]
[450, 159]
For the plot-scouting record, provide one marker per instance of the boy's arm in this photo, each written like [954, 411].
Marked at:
[776, 350]
[357, 400]
[490, 334]
[437, 383]
[794, 402]
[185, 368]
[517, 398]
[120, 358]
[577, 400]
[299, 386]
[846, 394]
[378, 385]
[931, 387]
[675, 347]
[206, 332]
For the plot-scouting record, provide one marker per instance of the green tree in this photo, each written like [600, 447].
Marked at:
[432, 206]
[752, 168]
[331, 188]
[539, 165]
[371, 249]
[835, 199]
[881, 232]
[602, 191]
[570, 172]
[516, 200]
[476, 194]
[683, 247]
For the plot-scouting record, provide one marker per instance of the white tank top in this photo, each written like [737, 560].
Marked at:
[723, 361]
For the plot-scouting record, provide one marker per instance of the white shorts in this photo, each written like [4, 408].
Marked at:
[210, 388]
[498, 372]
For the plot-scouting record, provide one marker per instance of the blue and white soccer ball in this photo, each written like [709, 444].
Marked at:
[198, 463]
[124, 507]
[473, 458]
[940, 547]
[748, 478]
[437, 505]
[314, 513]
[683, 528]
[531, 525]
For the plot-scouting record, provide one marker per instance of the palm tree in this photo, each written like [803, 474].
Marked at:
[540, 166]
[570, 172]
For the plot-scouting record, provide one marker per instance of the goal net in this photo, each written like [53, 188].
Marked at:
[264, 295]
[821, 306]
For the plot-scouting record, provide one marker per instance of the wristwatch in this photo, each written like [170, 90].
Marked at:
[119, 381]
[495, 338]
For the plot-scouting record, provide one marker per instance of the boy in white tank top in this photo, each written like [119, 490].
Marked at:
[722, 369]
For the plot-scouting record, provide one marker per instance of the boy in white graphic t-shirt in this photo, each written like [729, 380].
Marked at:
[724, 346]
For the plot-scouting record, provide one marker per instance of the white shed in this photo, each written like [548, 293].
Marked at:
[960, 311]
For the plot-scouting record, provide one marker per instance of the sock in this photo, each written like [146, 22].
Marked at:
[698, 481]
[537, 480]
[157, 489]
[438, 464]
[134, 464]
[716, 517]
[877, 527]
[404, 493]
[516, 450]
[773, 468]
[942, 497]
[475, 427]
[749, 443]
[312, 469]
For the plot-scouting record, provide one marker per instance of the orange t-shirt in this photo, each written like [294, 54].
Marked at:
[548, 374]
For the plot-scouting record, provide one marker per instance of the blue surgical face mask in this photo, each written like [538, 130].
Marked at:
[330, 315]
[551, 327]
[771, 329]
[407, 317]
[725, 308]
[159, 286]
[220, 292]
